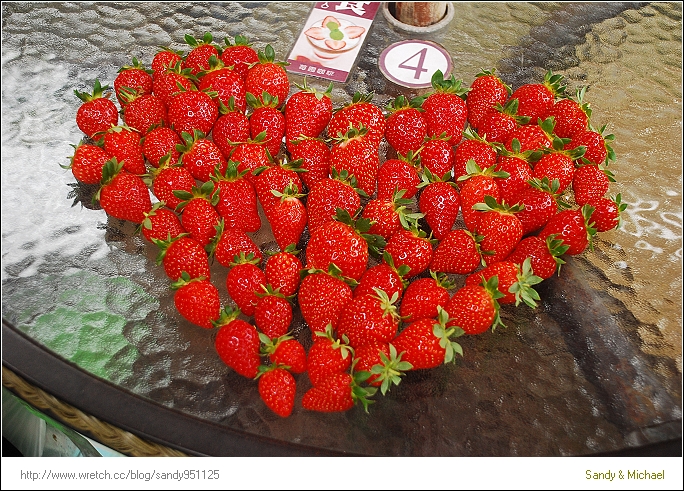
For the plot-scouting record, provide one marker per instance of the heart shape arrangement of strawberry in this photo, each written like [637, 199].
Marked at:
[209, 140]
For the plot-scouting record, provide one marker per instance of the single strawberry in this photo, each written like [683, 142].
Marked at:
[423, 296]
[169, 177]
[359, 156]
[160, 223]
[87, 163]
[197, 300]
[182, 254]
[457, 253]
[143, 112]
[411, 247]
[159, 142]
[518, 165]
[381, 360]
[359, 112]
[330, 193]
[97, 113]
[368, 317]
[239, 54]
[405, 126]
[283, 269]
[535, 99]
[123, 195]
[308, 111]
[400, 173]
[272, 312]
[477, 184]
[245, 279]
[540, 202]
[172, 81]
[439, 202]
[250, 155]
[125, 144]
[544, 255]
[500, 228]
[597, 143]
[164, 59]
[327, 356]
[574, 228]
[556, 163]
[486, 91]
[322, 296]
[237, 343]
[387, 216]
[132, 80]
[515, 281]
[277, 388]
[337, 393]
[231, 127]
[427, 343]
[315, 156]
[571, 115]
[231, 242]
[199, 54]
[198, 212]
[201, 156]
[268, 119]
[384, 276]
[284, 351]
[268, 75]
[237, 199]
[475, 308]
[532, 137]
[191, 110]
[498, 125]
[227, 84]
[445, 109]
[271, 181]
[476, 148]
[287, 217]
[607, 214]
[437, 155]
[590, 182]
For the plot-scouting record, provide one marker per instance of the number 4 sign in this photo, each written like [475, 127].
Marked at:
[412, 63]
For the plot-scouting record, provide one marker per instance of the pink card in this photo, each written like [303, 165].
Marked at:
[332, 39]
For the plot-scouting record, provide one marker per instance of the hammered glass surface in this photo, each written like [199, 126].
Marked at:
[596, 367]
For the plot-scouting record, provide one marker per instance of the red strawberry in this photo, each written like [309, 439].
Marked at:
[240, 55]
[201, 156]
[457, 253]
[268, 76]
[237, 199]
[423, 297]
[125, 144]
[97, 113]
[427, 343]
[169, 178]
[558, 164]
[231, 127]
[183, 254]
[540, 202]
[327, 356]
[359, 112]
[231, 242]
[227, 84]
[405, 126]
[607, 213]
[597, 144]
[369, 317]
[573, 228]
[384, 276]
[315, 156]
[287, 217]
[161, 223]
[437, 155]
[532, 136]
[271, 181]
[160, 142]
[519, 169]
[272, 313]
[143, 112]
[164, 59]
[282, 270]
[244, 281]
[277, 388]
[475, 148]
[381, 360]
[197, 300]
[337, 393]
[133, 78]
[191, 110]
[322, 296]
[359, 156]
[478, 184]
[486, 91]
[590, 182]
[571, 115]
[123, 195]
[498, 125]
[329, 194]
[410, 247]
[284, 351]
[237, 343]
[388, 215]
[251, 155]
[166, 83]
[440, 203]
[198, 213]
[474, 308]
[445, 109]
[500, 227]
[535, 99]
[515, 281]
[200, 52]
[307, 112]
[87, 163]
[268, 119]
[397, 174]
[544, 255]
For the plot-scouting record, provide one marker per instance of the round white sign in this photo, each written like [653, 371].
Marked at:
[412, 63]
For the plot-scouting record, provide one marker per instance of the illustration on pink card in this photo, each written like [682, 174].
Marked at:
[332, 39]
